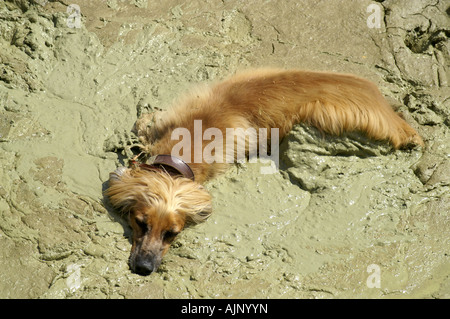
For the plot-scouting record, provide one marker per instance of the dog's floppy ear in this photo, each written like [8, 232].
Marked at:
[148, 126]
[128, 188]
[119, 192]
[195, 202]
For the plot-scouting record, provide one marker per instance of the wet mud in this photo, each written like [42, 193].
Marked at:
[344, 217]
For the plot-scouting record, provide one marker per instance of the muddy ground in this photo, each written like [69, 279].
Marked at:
[72, 83]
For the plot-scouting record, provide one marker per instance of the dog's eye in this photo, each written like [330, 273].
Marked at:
[143, 225]
[170, 235]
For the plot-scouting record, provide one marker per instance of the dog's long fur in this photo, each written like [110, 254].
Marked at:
[268, 98]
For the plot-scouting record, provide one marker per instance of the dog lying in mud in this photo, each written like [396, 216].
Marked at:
[164, 195]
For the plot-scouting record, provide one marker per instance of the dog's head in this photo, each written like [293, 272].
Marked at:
[159, 206]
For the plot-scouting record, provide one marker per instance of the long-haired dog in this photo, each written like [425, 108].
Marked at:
[163, 197]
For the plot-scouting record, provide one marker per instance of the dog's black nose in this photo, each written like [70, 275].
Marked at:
[144, 267]
[145, 264]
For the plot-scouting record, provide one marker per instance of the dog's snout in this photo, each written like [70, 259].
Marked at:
[144, 268]
[146, 265]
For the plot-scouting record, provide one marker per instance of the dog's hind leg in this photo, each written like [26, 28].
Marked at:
[375, 118]
[147, 129]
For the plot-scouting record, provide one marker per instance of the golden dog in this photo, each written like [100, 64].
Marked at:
[163, 197]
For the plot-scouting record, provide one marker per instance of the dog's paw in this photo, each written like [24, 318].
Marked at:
[147, 120]
[123, 142]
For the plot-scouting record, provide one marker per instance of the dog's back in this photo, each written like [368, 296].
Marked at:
[332, 102]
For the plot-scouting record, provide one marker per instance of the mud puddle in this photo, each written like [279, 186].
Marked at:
[339, 213]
